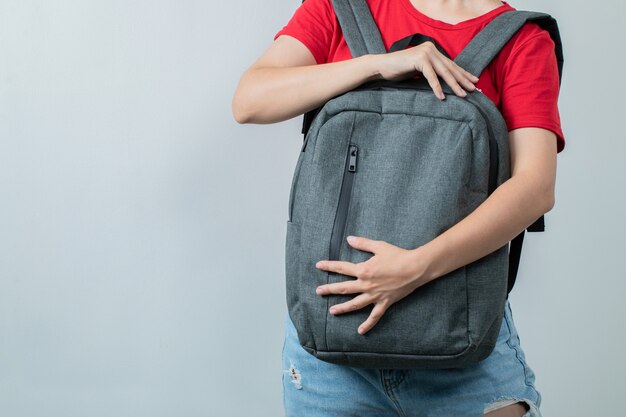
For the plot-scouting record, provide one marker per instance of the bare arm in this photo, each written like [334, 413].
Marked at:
[511, 208]
[393, 272]
[286, 81]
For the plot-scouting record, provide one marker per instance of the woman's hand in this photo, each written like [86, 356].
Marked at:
[425, 58]
[389, 275]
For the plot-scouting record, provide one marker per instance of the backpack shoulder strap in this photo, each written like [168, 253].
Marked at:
[361, 34]
[548, 23]
[515, 251]
[487, 43]
[358, 27]
[475, 57]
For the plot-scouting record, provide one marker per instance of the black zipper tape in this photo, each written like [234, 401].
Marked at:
[341, 216]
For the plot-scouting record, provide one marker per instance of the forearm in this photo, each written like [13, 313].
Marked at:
[511, 208]
[273, 94]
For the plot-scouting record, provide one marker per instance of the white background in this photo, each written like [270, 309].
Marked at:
[142, 228]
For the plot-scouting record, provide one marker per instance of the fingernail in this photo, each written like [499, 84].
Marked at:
[318, 290]
[333, 310]
[351, 239]
[361, 330]
[318, 264]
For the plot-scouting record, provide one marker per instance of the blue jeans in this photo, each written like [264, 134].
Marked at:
[315, 388]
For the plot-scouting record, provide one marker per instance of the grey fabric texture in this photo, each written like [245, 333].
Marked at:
[356, 19]
[484, 47]
[422, 166]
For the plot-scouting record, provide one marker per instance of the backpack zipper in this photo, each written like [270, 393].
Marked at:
[344, 201]
[421, 85]
[493, 149]
[348, 178]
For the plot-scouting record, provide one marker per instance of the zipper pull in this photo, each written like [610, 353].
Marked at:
[352, 161]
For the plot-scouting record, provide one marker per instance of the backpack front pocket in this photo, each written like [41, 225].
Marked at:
[405, 183]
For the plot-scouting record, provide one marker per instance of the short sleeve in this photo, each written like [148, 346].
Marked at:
[530, 85]
[312, 24]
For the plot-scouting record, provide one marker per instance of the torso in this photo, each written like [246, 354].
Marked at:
[399, 18]
[521, 80]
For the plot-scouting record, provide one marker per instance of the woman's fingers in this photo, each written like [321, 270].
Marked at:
[450, 76]
[432, 63]
[469, 75]
[343, 287]
[464, 78]
[341, 267]
[358, 303]
[377, 313]
[433, 81]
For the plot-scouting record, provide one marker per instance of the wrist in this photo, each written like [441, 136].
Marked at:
[372, 65]
[425, 259]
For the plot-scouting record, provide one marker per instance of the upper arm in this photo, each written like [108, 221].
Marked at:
[529, 86]
[285, 51]
[529, 83]
[304, 40]
[312, 27]
[533, 154]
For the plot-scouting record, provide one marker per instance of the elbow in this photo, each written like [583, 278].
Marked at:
[549, 198]
[549, 202]
[240, 117]
[540, 198]
[546, 198]
[541, 194]
[239, 111]
[243, 101]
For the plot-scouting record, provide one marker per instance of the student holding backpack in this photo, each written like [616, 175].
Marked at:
[310, 63]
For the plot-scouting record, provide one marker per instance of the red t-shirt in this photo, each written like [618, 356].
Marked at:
[522, 80]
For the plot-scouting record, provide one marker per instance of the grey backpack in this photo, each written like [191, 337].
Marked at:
[389, 161]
